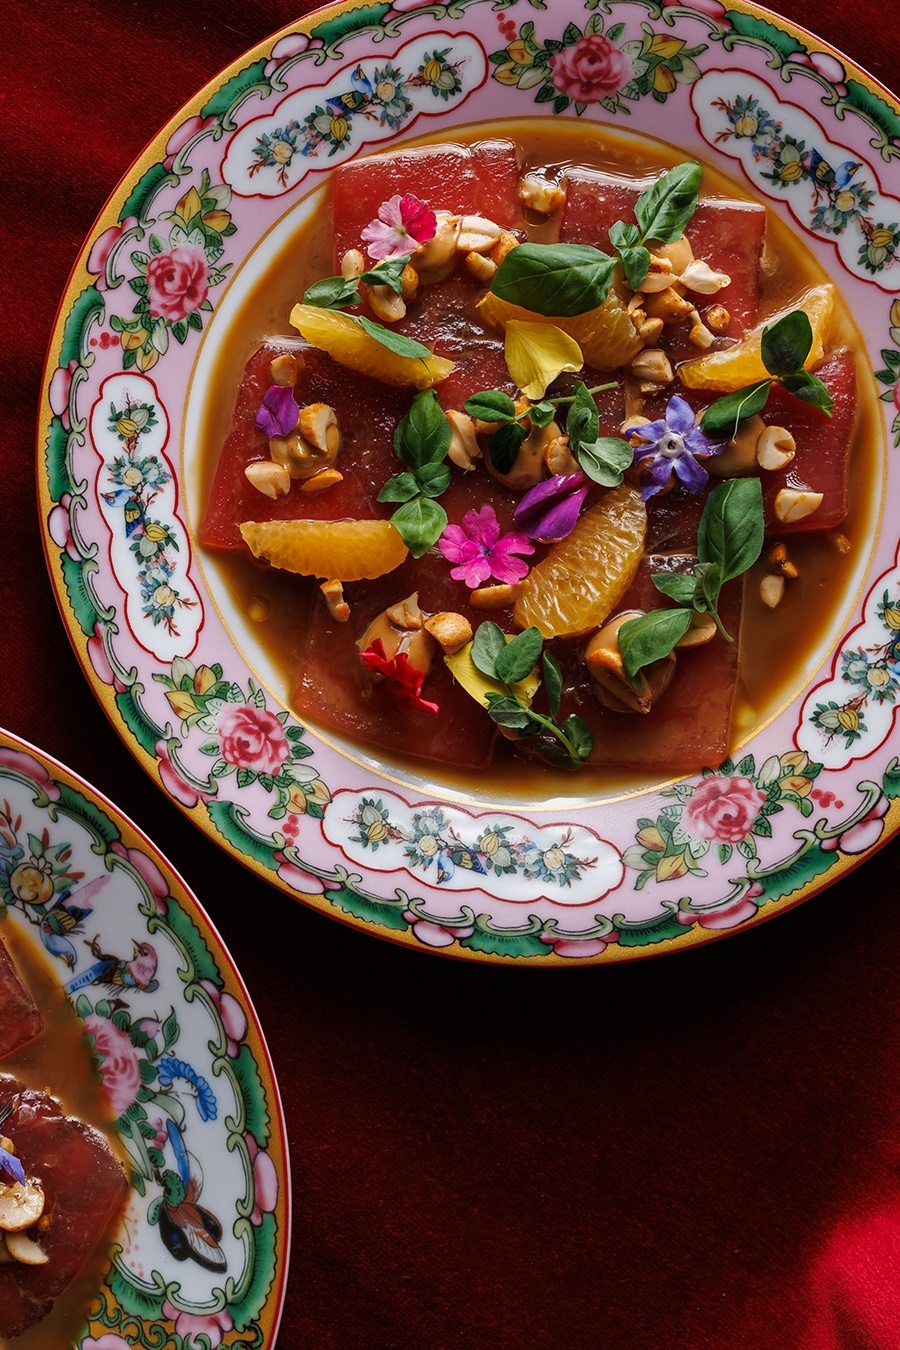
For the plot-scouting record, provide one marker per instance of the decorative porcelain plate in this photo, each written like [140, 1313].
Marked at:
[183, 1062]
[176, 667]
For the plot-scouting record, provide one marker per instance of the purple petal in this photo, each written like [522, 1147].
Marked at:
[11, 1167]
[699, 444]
[651, 433]
[549, 511]
[679, 416]
[690, 473]
[279, 411]
[482, 525]
[655, 476]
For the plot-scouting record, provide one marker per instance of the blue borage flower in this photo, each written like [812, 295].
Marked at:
[10, 1167]
[672, 444]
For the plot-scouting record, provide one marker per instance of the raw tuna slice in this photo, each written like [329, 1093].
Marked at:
[84, 1186]
[20, 1020]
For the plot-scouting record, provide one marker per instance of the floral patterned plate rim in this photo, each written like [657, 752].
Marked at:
[183, 1062]
[810, 794]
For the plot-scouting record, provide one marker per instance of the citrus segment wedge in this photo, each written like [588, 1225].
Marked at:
[734, 367]
[606, 335]
[337, 550]
[583, 577]
[342, 338]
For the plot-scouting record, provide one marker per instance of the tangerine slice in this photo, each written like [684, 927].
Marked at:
[606, 335]
[734, 367]
[583, 577]
[338, 550]
[339, 336]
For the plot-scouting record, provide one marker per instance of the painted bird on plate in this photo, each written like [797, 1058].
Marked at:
[116, 972]
[824, 175]
[188, 1229]
[64, 917]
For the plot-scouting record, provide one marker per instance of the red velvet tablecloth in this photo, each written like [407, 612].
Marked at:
[699, 1151]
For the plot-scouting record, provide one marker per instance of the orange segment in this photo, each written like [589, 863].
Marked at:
[733, 367]
[606, 335]
[352, 346]
[585, 575]
[338, 550]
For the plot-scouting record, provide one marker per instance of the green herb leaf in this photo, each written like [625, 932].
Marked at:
[636, 262]
[723, 417]
[583, 421]
[395, 342]
[492, 405]
[332, 293]
[605, 460]
[676, 586]
[423, 435]
[421, 523]
[578, 734]
[708, 579]
[624, 235]
[433, 479]
[519, 657]
[651, 637]
[556, 280]
[787, 344]
[665, 208]
[386, 273]
[488, 643]
[541, 414]
[400, 488]
[503, 445]
[731, 527]
[552, 682]
[509, 712]
[810, 389]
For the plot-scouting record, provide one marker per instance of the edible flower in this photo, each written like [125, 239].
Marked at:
[549, 511]
[672, 443]
[10, 1167]
[402, 224]
[480, 552]
[401, 685]
[536, 353]
[279, 411]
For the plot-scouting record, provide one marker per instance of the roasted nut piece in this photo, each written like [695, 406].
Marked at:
[614, 689]
[771, 590]
[718, 319]
[668, 306]
[353, 264]
[22, 1248]
[273, 480]
[775, 448]
[679, 254]
[699, 277]
[559, 458]
[702, 630]
[409, 282]
[20, 1206]
[779, 561]
[505, 244]
[385, 304]
[406, 614]
[528, 467]
[333, 592]
[321, 481]
[481, 268]
[659, 276]
[318, 424]
[408, 636]
[495, 597]
[738, 459]
[477, 234]
[540, 196]
[451, 630]
[464, 448]
[700, 334]
[632, 423]
[653, 365]
[285, 368]
[435, 259]
[792, 504]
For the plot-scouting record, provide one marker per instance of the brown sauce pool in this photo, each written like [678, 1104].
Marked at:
[776, 644]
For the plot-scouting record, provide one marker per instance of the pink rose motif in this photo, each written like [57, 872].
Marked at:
[577, 949]
[297, 878]
[252, 738]
[862, 836]
[713, 8]
[108, 1342]
[265, 1181]
[234, 1019]
[119, 1063]
[178, 282]
[102, 248]
[723, 809]
[144, 865]
[735, 911]
[20, 762]
[435, 934]
[190, 1326]
[60, 385]
[181, 135]
[592, 70]
[173, 782]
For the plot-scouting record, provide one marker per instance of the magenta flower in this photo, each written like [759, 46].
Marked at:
[549, 511]
[403, 223]
[279, 411]
[476, 546]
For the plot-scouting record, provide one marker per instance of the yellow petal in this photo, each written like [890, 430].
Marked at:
[189, 206]
[464, 670]
[181, 702]
[536, 353]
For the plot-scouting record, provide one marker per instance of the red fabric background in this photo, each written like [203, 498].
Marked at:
[702, 1151]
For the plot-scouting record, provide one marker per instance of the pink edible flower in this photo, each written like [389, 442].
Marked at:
[403, 223]
[279, 412]
[476, 546]
[549, 511]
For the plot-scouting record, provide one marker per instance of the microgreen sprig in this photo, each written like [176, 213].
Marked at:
[784, 348]
[338, 293]
[729, 541]
[601, 456]
[421, 442]
[562, 280]
[510, 661]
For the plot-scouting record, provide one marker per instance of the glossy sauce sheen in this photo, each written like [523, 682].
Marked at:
[320, 655]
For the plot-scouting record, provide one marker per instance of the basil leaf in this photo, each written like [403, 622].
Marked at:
[583, 421]
[421, 523]
[605, 460]
[490, 406]
[552, 682]
[651, 637]
[395, 342]
[787, 344]
[723, 417]
[541, 414]
[556, 280]
[332, 293]
[519, 657]
[503, 446]
[636, 262]
[810, 389]
[676, 586]
[708, 578]
[509, 712]
[624, 235]
[400, 488]
[731, 527]
[423, 435]
[387, 273]
[578, 734]
[433, 479]
[665, 208]
[488, 643]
